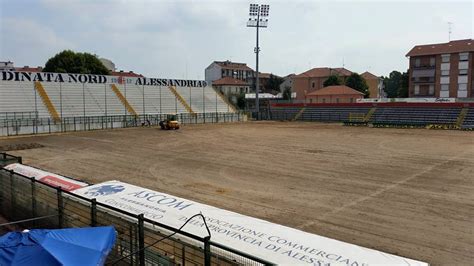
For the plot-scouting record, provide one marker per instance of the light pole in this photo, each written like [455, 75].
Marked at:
[258, 19]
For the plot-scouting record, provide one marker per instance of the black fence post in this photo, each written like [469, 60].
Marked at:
[207, 251]
[60, 207]
[93, 212]
[2, 197]
[141, 240]
[12, 197]
[33, 197]
[183, 255]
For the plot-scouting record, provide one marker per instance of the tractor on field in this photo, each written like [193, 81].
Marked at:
[171, 122]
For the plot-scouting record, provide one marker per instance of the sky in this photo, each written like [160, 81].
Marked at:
[179, 39]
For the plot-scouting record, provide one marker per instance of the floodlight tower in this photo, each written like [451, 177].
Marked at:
[258, 19]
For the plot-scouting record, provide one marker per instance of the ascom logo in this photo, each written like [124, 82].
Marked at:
[104, 190]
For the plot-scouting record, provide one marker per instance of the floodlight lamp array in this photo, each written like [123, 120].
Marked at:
[264, 10]
[254, 9]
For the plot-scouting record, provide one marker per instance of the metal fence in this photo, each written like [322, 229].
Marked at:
[18, 115]
[22, 126]
[38, 205]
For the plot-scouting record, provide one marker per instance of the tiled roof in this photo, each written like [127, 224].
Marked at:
[233, 65]
[335, 90]
[126, 74]
[368, 75]
[321, 72]
[457, 46]
[29, 69]
[264, 75]
[229, 81]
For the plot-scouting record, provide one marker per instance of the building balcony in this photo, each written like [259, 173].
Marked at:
[424, 67]
[423, 81]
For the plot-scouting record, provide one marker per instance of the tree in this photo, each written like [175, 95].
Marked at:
[287, 93]
[396, 84]
[241, 102]
[332, 80]
[357, 82]
[274, 83]
[68, 61]
[403, 89]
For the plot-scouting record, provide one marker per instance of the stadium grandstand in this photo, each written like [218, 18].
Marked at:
[456, 115]
[35, 102]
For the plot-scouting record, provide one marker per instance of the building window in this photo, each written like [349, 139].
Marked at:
[445, 87]
[444, 72]
[462, 79]
[463, 56]
[417, 62]
[462, 87]
[445, 58]
[431, 90]
[463, 72]
[445, 66]
[324, 100]
[432, 61]
[463, 65]
[417, 89]
[337, 100]
[444, 80]
[312, 84]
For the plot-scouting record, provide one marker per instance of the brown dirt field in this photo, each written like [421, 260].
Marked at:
[408, 192]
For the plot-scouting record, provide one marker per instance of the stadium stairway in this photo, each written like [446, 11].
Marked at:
[369, 114]
[230, 105]
[298, 114]
[123, 100]
[181, 100]
[461, 117]
[47, 102]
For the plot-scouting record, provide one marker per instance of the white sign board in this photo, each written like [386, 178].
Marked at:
[95, 79]
[55, 180]
[272, 242]
[407, 100]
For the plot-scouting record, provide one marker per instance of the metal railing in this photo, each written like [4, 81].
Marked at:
[6, 159]
[18, 115]
[23, 198]
[22, 126]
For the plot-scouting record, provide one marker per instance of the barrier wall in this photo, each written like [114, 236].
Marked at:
[40, 205]
[147, 225]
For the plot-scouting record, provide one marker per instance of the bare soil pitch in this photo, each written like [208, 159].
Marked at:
[403, 191]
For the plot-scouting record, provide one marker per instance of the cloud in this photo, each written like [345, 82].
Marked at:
[181, 38]
[27, 41]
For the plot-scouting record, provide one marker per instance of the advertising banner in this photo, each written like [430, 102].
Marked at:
[55, 180]
[272, 242]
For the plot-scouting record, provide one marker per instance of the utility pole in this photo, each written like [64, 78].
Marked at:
[449, 30]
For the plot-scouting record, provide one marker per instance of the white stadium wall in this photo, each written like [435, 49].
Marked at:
[85, 95]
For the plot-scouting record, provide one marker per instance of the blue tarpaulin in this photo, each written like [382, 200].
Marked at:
[72, 246]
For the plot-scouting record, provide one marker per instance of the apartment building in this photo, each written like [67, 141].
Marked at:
[442, 70]
[375, 85]
[222, 69]
[313, 79]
